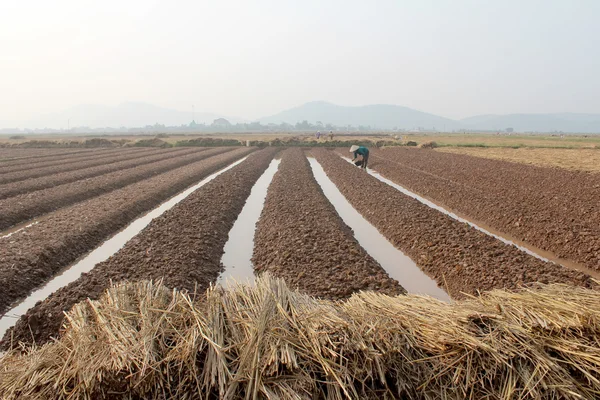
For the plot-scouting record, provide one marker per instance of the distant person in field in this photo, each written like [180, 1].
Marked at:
[318, 135]
[331, 135]
[360, 151]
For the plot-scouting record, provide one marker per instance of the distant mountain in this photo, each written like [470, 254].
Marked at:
[377, 116]
[384, 116]
[565, 122]
[380, 116]
[131, 114]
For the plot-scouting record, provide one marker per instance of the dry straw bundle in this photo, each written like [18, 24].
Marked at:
[142, 340]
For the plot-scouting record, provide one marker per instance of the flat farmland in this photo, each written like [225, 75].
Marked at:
[77, 223]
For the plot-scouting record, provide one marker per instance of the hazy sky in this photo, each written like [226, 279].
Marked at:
[254, 58]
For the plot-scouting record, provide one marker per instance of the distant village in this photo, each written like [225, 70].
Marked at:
[224, 126]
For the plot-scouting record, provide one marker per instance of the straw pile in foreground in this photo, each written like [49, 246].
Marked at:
[142, 340]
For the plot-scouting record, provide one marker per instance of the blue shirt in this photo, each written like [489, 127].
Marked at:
[363, 151]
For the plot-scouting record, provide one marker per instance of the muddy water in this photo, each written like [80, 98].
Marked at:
[532, 251]
[398, 266]
[240, 245]
[17, 228]
[100, 254]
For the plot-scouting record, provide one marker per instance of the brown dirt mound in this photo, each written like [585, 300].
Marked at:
[429, 145]
[152, 143]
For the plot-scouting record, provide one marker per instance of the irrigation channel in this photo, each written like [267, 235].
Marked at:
[537, 253]
[18, 228]
[398, 265]
[237, 257]
[100, 254]
[238, 250]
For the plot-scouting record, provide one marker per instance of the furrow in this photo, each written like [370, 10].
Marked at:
[32, 256]
[555, 210]
[183, 246]
[461, 258]
[301, 238]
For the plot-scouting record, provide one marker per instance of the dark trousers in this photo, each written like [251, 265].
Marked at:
[365, 160]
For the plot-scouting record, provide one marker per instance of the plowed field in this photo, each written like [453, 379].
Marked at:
[40, 251]
[461, 258]
[301, 238]
[183, 247]
[21, 208]
[63, 204]
[554, 209]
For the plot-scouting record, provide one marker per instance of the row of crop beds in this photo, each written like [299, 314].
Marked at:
[20, 208]
[31, 256]
[183, 246]
[38, 169]
[16, 156]
[299, 236]
[459, 257]
[551, 208]
[56, 178]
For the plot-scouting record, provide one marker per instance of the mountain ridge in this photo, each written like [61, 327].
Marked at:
[376, 116]
[386, 116]
[382, 116]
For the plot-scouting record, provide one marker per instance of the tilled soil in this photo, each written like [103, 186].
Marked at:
[77, 157]
[24, 156]
[553, 209]
[302, 239]
[69, 164]
[31, 256]
[21, 208]
[459, 257]
[184, 247]
[60, 178]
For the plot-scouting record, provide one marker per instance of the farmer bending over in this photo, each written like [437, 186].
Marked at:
[362, 151]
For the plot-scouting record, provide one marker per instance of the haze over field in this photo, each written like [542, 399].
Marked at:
[462, 64]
